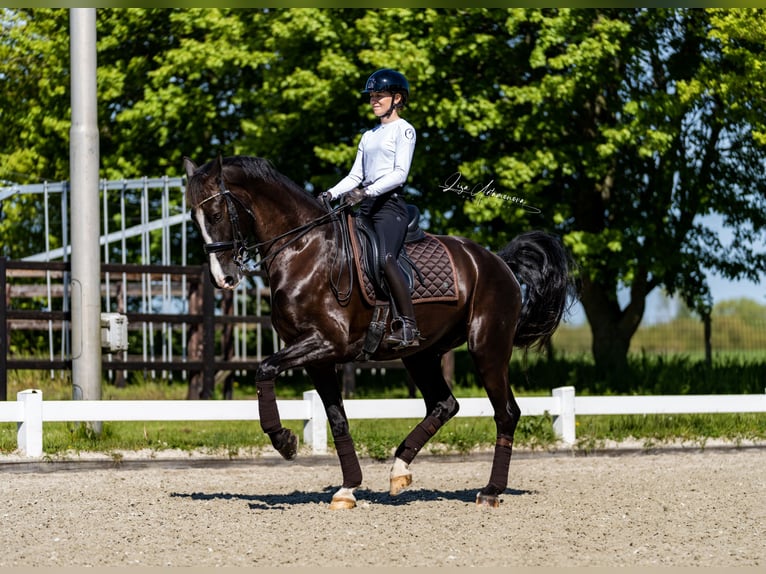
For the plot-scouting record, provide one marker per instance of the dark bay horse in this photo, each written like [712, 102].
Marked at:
[242, 204]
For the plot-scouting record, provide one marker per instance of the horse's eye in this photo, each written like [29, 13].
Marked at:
[215, 217]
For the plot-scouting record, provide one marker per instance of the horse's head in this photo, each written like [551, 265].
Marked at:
[223, 219]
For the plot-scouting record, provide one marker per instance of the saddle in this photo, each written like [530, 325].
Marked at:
[368, 252]
[424, 260]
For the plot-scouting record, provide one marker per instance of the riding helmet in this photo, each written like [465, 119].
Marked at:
[387, 80]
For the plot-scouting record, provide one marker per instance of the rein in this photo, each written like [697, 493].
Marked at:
[240, 246]
[343, 255]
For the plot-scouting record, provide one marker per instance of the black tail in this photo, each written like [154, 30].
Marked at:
[544, 269]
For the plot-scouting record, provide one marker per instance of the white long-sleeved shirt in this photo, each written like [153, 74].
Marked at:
[382, 161]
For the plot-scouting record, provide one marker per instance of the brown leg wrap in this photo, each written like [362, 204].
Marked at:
[498, 478]
[349, 462]
[419, 436]
[267, 407]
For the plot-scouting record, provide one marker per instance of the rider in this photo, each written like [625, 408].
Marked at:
[376, 181]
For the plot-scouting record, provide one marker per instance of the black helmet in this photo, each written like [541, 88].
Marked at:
[387, 80]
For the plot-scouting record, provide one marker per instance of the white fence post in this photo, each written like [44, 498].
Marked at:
[30, 412]
[29, 434]
[315, 428]
[564, 422]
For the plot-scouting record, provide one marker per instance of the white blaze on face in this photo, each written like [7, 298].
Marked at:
[215, 266]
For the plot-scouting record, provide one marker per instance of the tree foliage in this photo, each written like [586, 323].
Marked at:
[622, 130]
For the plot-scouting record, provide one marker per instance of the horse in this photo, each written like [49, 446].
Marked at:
[242, 205]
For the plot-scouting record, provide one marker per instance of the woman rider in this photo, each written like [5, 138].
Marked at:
[376, 182]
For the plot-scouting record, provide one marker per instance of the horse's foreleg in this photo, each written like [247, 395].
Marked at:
[329, 391]
[344, 446]
[441, 406]
[283, 440]
[349, 461]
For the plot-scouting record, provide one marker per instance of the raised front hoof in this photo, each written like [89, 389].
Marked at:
[487, 500]
[287, 444]
[399, 484]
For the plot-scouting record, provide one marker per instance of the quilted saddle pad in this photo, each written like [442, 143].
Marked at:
[434, 264]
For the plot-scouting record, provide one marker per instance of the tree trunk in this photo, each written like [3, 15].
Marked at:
[708, 329]
[610, 352]
[612, 329]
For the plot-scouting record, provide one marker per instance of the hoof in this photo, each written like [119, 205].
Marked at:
[289, 450]
[343, 499]
[342, 503]
[399, 483]
[487, 500]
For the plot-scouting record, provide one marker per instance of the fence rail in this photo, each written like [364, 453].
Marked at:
[163, 339]
[29, 411]
[205, 361]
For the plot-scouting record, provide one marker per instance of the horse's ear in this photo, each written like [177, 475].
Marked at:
[189, 166]
[216, 167]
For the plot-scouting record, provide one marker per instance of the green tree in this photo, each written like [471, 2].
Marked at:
[34, 105]
[619, 129]
[33, 75]
[629, 134]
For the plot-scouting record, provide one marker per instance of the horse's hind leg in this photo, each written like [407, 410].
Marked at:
[441, 406]
[493, 372]
[325, 381]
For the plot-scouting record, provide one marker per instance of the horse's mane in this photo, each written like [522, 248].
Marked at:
[239, 170]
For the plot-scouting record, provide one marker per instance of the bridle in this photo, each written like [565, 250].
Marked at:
[239, 246]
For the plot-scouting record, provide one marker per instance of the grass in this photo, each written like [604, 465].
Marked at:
[653, 431]
[378, 438]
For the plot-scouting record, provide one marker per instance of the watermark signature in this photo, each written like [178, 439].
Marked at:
[453, 184]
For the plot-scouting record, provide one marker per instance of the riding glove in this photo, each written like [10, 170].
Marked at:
[355, 196]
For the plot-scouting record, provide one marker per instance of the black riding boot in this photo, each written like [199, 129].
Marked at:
[404, 331]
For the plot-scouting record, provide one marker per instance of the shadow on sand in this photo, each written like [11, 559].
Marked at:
[296, 498]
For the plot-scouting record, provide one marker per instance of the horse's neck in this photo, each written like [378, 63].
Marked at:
[280, 213]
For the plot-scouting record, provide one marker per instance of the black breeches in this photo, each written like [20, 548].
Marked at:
[388, 214]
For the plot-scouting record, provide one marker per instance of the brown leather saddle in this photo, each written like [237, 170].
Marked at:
[424, 260]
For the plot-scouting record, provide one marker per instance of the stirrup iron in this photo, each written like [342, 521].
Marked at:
[404, 333]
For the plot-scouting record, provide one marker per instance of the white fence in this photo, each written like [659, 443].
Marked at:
[29, 411]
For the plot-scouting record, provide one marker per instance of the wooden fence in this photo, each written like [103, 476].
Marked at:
[199, 322]
[207, 352]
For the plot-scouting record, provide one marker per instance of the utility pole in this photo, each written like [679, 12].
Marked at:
[84, 210]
